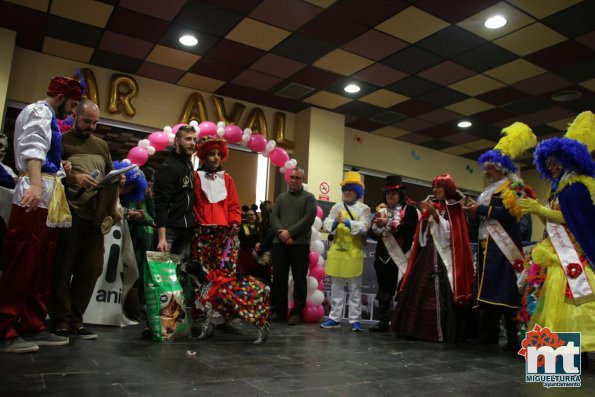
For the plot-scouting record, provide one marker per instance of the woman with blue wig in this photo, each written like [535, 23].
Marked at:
[348, 222]
[567, 254]
[132, 199]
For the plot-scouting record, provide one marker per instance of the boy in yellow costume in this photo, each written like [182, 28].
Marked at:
[567, 254]
[348, 222]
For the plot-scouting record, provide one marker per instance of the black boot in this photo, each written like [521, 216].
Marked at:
[382, 326]
[383, 312]
[584, 360]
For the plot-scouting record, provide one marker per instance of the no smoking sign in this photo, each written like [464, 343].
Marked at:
[324, 188]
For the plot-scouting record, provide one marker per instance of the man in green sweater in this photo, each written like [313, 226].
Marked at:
[79, 256]
[291, 220]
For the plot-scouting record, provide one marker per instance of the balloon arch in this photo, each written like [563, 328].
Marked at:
[160, 140]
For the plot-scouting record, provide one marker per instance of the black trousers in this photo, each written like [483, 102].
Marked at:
[490, 320]
[284, 258]
[387, 275]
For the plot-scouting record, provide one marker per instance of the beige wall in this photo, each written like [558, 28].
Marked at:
[396, 157]
[7, 40]
[326, 152]
[242, 167]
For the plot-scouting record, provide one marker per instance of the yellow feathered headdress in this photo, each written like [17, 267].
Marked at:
[582, 129]
[516, 138]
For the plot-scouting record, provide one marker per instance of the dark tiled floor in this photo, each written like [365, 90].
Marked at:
[295, 361]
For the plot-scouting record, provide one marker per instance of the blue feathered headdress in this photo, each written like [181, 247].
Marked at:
[499, 160]
[572, 156]
[516, 138]
[136, 178]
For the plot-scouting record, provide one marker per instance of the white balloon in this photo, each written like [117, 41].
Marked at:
[315, 234]
[151, 150]
[312, 284]
[197, 129]
[126, 161]
[305, 187]
[221, 124]
[290, 288]
[316, 298]
[282, 170]
[317, 246]
[220, 131]
[317, 223]
[245, 138]
[171, 136]
[167, 129]
[289, 165]
[271, 145]
[293, 163]
[320, 260]
[248, 131]
[144, 143]
[194, 123]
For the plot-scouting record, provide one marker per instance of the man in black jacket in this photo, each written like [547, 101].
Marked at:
[174, 195]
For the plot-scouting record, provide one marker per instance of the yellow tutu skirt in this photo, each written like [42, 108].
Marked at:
[553, 309]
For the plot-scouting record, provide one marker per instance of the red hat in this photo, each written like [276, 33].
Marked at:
[206, 143]
[66, 86]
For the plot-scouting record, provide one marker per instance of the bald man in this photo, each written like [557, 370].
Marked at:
[79, 257]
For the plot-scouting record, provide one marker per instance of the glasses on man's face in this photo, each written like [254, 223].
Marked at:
[295, 178]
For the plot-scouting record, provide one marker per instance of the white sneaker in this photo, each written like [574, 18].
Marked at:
[45, 338]
[17, 345]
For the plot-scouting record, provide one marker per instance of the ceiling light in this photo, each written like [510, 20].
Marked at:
[566, 96]
[188, 40]
[464, 124]
[495, 22]
[352, 88]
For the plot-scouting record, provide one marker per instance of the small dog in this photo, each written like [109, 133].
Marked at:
[231, 295]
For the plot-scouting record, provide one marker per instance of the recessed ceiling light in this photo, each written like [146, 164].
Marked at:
[464, 124]
[352, 88]
[566, 96]
[495, 22]
[188, 40]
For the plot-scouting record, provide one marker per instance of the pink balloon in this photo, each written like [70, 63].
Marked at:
[278, 157]
[313, 258]
[287, 175]
[321, 284]
[138, 155]
[312, 313]
[317, 272]
[207, 128]
[257, 143]
[290, 306]
[159, 140]
[320, 311]
[233, 134]
[176, 127]
[319, 212]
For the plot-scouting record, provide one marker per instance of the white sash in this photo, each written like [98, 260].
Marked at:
[396, 253]
[507, 247]
[579, 285]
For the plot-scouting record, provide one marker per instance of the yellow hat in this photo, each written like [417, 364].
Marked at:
[352, 177]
